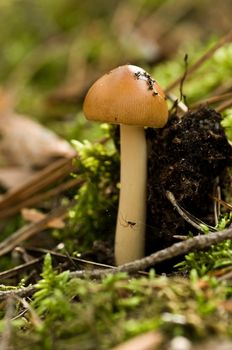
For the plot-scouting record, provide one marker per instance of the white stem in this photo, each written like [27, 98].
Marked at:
[131, 221]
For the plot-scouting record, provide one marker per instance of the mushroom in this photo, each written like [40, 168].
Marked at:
[128, 96]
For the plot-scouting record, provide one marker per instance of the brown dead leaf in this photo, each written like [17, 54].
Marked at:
[28, 144]
[148, 341]
[14, 177]
[34, 215]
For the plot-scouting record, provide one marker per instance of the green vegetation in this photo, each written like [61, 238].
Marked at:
[218, 256]
[90, 314]
[94, 215]
[206, 79]
[227, 123]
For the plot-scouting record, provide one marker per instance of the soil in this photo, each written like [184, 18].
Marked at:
[185, 157]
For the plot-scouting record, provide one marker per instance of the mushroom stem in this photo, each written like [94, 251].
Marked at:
[131, 220]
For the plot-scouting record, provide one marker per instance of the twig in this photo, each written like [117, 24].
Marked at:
[38, 198]
[7, 330]
[224, 105]
[20, 292]
[64, 257]
[39, 181]
[227, 38]
[193, 221]
[20, 268]
[29, 230]
[182, 96]
[177, 249]
[221, 202]
[34, 319]
[210, 100]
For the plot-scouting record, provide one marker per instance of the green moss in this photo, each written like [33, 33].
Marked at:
[94, 215]
[101, 314]
[227, 123]
[217, 256]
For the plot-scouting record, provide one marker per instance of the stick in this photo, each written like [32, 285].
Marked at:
[177, 249]
[210, 100]
[20, 268]
[29, 230]
[38, 198]
[40, 180]
[21, 292]
[189, 218]
[224, 105]
[225, 39]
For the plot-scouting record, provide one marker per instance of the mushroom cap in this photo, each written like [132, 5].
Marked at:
[127, 95]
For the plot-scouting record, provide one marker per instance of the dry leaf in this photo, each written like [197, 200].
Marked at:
[34, 215]
[13, 177]
[148, 341]
[28, 144]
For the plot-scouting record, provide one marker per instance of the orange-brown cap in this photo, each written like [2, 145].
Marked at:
[127, 95]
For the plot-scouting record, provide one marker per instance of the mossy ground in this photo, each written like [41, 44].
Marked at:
[89, 315]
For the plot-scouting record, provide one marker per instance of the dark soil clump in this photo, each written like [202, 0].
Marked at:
[185, 158]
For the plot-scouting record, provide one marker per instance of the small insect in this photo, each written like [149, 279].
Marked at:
[131, 223]
[127, 223]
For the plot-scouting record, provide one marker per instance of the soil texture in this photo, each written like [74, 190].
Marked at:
[186, 157]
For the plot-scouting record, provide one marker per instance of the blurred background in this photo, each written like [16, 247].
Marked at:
[51, 51]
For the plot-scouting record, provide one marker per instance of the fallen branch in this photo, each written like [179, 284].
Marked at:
[20, 292]
[177, 249]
